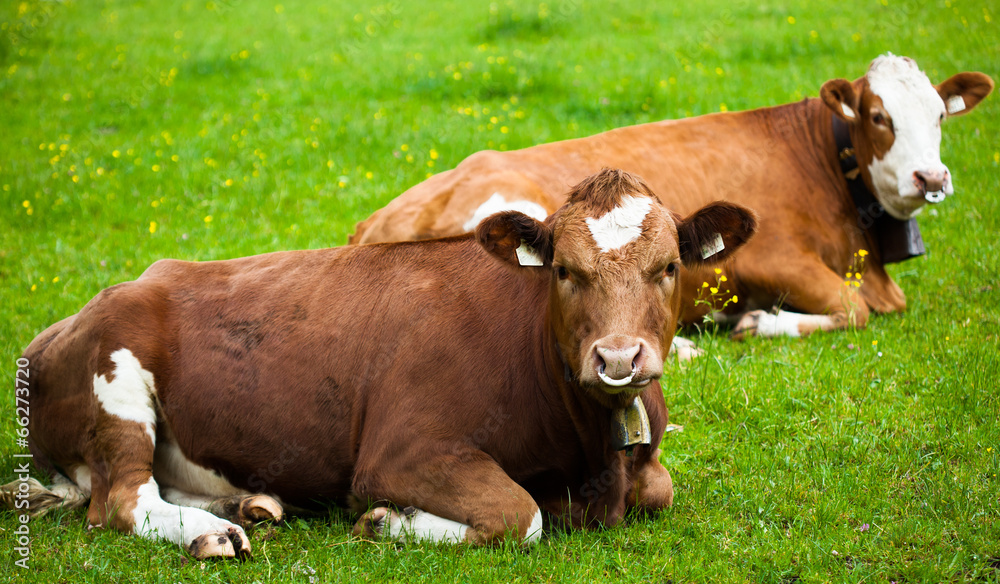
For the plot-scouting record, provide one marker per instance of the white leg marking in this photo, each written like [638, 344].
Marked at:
[72, 492]
[498, 203]
[81, 476]
[130, 394]
[423, 526]
[535, 529]
[172, 469]
[153, 517]
[621, 225]
[789, 323]
[179, 497]
[684, 349]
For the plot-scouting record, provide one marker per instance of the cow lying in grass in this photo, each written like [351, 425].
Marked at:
[808, 169]
[471, 381]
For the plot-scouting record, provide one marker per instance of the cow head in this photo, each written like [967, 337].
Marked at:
[613, 255]
[895, 116]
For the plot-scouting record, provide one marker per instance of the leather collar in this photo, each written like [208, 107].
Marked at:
[896, 240]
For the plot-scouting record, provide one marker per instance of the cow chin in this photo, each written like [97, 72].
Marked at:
[616, 396]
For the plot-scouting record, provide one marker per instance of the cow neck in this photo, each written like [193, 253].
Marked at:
[629, 425]
[896, 240]
[591, 421]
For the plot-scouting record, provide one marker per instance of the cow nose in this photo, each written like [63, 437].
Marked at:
[929, 181]
[617, 363]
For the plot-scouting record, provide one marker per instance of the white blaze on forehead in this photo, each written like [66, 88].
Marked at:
[915, 108]
[129, 395]
[621, 225]
[498, 203]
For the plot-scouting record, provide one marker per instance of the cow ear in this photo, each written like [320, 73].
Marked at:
[714, 232]
[516, 239]
[963, 91]
[839, 96]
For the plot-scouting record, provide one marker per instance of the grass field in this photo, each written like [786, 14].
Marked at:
[214, 129]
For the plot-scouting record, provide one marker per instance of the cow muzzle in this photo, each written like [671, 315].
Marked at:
[620, 362]
[931, 184]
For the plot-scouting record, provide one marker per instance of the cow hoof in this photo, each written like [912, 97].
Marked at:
[232, 544]
[259, 508]
[747, 327]
[372, 523]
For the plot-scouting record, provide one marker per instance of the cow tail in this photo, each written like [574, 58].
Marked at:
[31, 497]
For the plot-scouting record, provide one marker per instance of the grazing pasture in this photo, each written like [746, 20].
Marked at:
[221, 128]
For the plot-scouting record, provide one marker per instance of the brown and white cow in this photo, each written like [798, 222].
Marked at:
[472, 381]
[784, 162]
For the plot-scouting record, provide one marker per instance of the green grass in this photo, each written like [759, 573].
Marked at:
[286, 124]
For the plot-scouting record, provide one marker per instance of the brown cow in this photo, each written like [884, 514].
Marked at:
[471, 381]
[788, 163]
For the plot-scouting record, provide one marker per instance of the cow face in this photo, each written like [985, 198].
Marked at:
[613, 255]
[895, 114]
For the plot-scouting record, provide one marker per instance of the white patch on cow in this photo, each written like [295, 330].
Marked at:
[712, 247]
[172, 469]
[129, 395]
[155, 518]
[423, 526]
[621, 225]
[915, 108]
[790, 323]
[535, 529]
[498, 203]
[847, 110]
[684, 349]
[956, 103]
[527, 256]
[81, 476]
[179, 497]
[67, 488]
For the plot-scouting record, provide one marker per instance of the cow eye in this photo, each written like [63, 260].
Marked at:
[878, 119]
[670, 271]
[562, 272]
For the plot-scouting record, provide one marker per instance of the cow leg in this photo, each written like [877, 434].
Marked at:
[653, 489]
[453, 498]
[126, 437]
[245, 510]
[825, 301]
[684, 349]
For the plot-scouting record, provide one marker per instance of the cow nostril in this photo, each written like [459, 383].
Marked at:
[929, 181]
